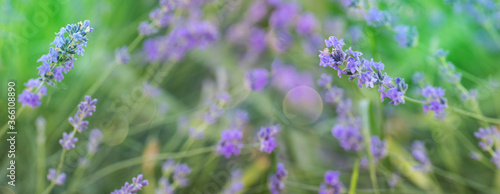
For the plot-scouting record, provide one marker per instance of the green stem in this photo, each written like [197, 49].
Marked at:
[354, 177]
[40, 158]
[364, 107]
[138, 160]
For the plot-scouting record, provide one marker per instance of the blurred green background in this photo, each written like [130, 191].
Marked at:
[133, 126]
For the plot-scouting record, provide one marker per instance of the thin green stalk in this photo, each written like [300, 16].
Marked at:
[138, 160]
[40, 159]
[364, 107]
[354, 177]
[302, 186]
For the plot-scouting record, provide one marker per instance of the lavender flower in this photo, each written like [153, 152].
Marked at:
[495, 158]
[332, 184]
[230, 143]
[352, 3]
[256, 11]
[95, 138]
[277, 181]
[475, 156]
[406, 36]
[449, 73]
[146, 28]
[213, 114]
[267, 138]
[488, 137]
[334, 95]
[85, 109]
[325, 80]
[60, 59]
[164, 187]
[435, 100]
[393, 181]
[121, 55]
[257, 40]
[58, 179]
[283, 15]
[137, 184]
[440, 53]
[377, 18]
[378, 148]
[368, 73]
[257, 79]
[286, 77]
[234, 185]
[33, 94]
[305, 24]
[180, 174]
[151, 91]
[240, 119]
[348, 132]
[420, 154]
[68, 141]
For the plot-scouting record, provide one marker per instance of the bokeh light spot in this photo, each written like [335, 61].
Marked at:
[302, 105]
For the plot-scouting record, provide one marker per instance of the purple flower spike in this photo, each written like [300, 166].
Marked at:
[230, 143]
[257, 79]
[406, 36]
[495, 158]
[121, 55]
[85, 109]
[267, 138]
[68, 141]
[137, 184]
[349, 134]
[306, 24]
[378, 148]
[420, 154]
[488, 137]
[58, 179]
[95, 138]
[180, 174]
[377, 18]
[332, 184]
[235, 185]
[325, 80]
[277, 181]
[435, 100]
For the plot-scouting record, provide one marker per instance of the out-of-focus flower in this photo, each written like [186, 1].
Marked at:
[137, 184]
[122, 56]
[348, 132]
[420, 154]
[393, 180]
[306, 24]
[230, 143]
[234, 185]
[488, 137]
[406, 36]
[267, 138]
[325, 80]
[283, 15]
[332, 184]
[378, 148]
[377, 18]
[58, 179]
[434, 99]
[68, 141]
[277, 180]
[180, 174]
[257, 79]
[95, 138]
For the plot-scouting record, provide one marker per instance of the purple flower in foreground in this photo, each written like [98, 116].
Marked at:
[332, 184]
[420, 154]
[68, 141]
[367, 72]
[277, 181]
[488, 137]
[349, 134]
[58, 179]
[230, 143]
[137, 184]
[234, 185]
[257, 79]
[121, 55]
[267, 138]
